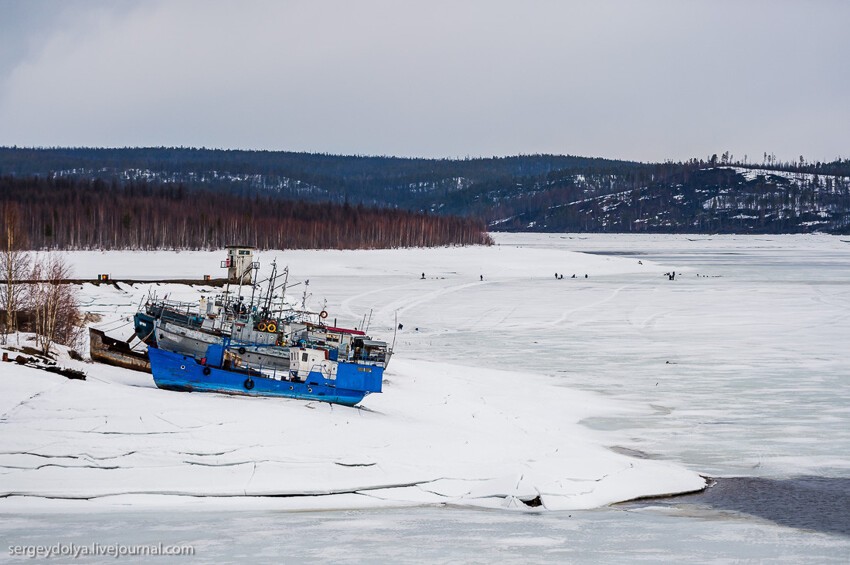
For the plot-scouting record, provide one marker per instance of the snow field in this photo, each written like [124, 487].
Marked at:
[448, 429]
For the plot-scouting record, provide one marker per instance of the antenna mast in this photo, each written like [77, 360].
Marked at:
[305, 295]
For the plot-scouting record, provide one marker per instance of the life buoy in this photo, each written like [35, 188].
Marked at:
[206, 371]
[261, 326]
[323, 314]
[249, 384]
[271, 327]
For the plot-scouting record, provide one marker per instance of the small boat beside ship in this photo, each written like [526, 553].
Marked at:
[112, 351]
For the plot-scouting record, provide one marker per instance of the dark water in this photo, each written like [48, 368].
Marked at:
[820, 504]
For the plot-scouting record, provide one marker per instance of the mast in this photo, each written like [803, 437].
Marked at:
[254, 279]
[283, 289]
[305, 296]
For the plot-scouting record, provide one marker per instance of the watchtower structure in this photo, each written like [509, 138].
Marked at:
[239, 263]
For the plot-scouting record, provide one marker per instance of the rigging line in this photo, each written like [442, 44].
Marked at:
[113, 325]
[116, 322]
[124, 325]
[144, 339]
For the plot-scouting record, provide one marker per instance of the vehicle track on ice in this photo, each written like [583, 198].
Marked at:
[569, 313]
[407, 302]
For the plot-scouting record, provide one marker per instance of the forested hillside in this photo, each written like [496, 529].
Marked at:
[697, 199]
[368, 180]
[529, 192]
[72, 213]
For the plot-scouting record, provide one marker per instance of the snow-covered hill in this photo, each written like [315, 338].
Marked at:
[711, 200]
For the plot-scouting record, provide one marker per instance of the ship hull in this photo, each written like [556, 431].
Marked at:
[173, 337]
[175, 371]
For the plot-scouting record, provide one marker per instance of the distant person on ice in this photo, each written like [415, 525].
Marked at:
[423, 276]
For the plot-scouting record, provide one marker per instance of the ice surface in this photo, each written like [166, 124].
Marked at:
[465, 434]
[739, 367]
[439, 434]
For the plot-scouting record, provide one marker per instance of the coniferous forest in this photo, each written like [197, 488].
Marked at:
[548, 193]
[74, 213]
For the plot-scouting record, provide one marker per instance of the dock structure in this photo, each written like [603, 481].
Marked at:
[240, 267]
[206, 281]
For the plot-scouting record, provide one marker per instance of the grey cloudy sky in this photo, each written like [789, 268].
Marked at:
[644, 80]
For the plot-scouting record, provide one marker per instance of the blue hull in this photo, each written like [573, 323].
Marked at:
[174, 371]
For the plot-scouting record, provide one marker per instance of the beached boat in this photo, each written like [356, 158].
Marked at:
[111, 351]
[312, 374]
[177, 327]
[264, 324]
[257, 344]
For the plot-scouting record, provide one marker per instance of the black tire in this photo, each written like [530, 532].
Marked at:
[249, 384]
[206, 371]
[241, 351]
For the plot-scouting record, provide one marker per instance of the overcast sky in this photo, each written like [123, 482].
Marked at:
[645, 80]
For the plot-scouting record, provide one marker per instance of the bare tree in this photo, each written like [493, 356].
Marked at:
[15, 265]
[54, 304]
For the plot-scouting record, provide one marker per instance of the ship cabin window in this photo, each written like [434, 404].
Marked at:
[375, 351]
[304, 356]
[376, 355]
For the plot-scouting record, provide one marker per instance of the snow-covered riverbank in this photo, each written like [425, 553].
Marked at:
[439, 434]
[442, 432]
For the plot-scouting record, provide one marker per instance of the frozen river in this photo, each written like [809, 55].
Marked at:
[737, 369]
